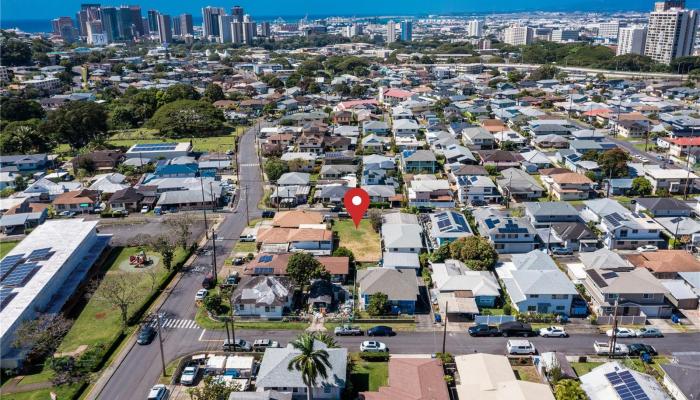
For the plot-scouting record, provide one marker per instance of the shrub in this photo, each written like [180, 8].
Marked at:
[374, 357]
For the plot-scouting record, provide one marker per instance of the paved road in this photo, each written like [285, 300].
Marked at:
[142, 366]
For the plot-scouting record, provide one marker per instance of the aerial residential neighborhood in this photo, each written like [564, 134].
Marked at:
[393, 201]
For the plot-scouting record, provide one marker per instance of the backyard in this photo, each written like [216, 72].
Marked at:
[368, 376]
[364, 242]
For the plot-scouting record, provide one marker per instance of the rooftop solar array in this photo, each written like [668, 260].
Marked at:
[264, 271]
[626, 386]
[615, 219]
[8, 263]
[265, 259]
[451, 222]
[40, 254]
[20, 274]
[6, 295]
[155, 147]
[17, 269]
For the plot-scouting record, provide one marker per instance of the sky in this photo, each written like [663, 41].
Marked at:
[48, 9]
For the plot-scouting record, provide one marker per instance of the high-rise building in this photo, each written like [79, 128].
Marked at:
[165, 31]
[237, 32]
[210, 22]
[63, 27]
[671, 32]
[390, 32]
[110, 23]
[136, 21]
[265, 30]
[88, 12]
[609, 30]
[475, 28]
[177, 31]
[668, 4]
[406, 31]
[153, 21]
[518, 35]
[95, 34]
[564, 35]
[249, 29]
[237, 13]
[185, 22]
[352, 30]
[631, 40]
[225, 28]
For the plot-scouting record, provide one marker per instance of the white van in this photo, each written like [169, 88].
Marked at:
[520, 347]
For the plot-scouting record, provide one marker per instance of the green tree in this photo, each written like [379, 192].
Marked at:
[375, 218]
[165, 246]
[441, 254]
[345, 252]
[186, 118]
[77, 123]
[303, 267]
[18, 109]
[22, 137]
[15, 52]
[20, 183]
[327, 339]
[475, 252]
[275, 168]
[614, 162]
[378, 304]
[180, 91]
[213, 303]
[213, 92]
[569, 389]
[544, 72]
[213, 389]
[641, 186]
[312, 363]
[492, 170]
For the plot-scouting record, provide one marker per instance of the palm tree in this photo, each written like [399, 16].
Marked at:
[311, 362]
[326, 338]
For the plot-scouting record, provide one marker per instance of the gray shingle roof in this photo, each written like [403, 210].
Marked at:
[274, 373]
[396, 284]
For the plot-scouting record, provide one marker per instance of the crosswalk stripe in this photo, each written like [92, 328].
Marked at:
[175, 323]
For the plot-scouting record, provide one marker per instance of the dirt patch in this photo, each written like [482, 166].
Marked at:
[75, 353]
[100, 315]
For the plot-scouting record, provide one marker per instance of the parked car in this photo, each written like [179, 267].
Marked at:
[189, 375]
[67, 214]
[637, 349]
[482, 330]
[233, 278]
[237, 345]
[621, 332]
[262, 344]
[553, 331]
[268, 214]
[380, 331]
[208, 282]
[603, 348]
[647, 248]
[648, 332]
[373, 346]
[477, 203]
[201, 294]
[561, 251]
[238, 261]
[348, 330]
[146, 335]
[158, 392]
[516, 328]
[144, 209]
[520, 347]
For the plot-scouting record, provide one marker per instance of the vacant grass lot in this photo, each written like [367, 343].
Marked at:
[62, 392]
[582, 368]
[219, 144]
[364, 242]
[368, 376]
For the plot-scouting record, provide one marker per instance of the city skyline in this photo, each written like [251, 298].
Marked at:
[46, 9]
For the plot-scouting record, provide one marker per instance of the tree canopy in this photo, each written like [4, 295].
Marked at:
[378, 305]
[475, 252]
[275, 168]
[303, 267]
[614, 162]
[23, 137]
[77, 123]
[187, 118]
[641, 186]
[15, 52]
[18, 109]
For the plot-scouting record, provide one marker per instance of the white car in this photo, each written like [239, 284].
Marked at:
[621, 333]
[201, 294]
[553, 331]
[373, 346]
[647, 248]
[158, 392]
[189, 375]
[144, 209]
[648, 332]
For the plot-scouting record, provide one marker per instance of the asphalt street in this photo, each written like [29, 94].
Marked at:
[142, 366]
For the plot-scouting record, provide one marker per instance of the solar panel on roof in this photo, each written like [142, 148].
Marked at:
[5, 296]
[40, 254]
[626, 386]
[20, 275]
[8, 263]
[264, 271]
[265, 259]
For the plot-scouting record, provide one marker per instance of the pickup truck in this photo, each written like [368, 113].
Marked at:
[603, 348]
[348, 330]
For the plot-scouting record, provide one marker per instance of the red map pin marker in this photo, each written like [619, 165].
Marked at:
[356, 201]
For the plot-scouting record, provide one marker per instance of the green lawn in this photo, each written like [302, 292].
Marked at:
[62, 392]
[493, 311]
[245, 247]
[42, 376]
[582, 368]
[364, 242]
[368, 376]
[219, 144]
[526, 373]
[5, 247]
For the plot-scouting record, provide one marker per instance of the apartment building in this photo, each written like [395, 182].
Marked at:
[671, 33]
[631, 40]
[518, 35]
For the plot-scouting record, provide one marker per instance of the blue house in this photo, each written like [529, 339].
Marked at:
[400, 286]
[417, 161]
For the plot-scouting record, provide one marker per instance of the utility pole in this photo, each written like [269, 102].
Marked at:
[444, 330]
[160, 343]
[204, 208]
[213, 255]
[613, 338]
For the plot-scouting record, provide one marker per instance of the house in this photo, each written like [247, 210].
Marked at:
[23, 216]
[406, 261]
[337, 171]
[501, 159]
[331, 194]
[300, 162]
[551, 142]
[456, 154]
[296, 218]
[569, 186]
[378, 177]
[630, 230]
[685, 230]
[401, 288]
[379, 128]
[448, 226]
[376, 161]
[537, 287]
[682, 146]
[100, 160]
[418, 161]
[273, 374]
[374, 144]
[518, 185]
[402, 238]
[544, 214]
[611, 380]
[294, 179]
[128, 199]
[453, 276]
[680, 375]
[631, 125]
[412, 379]
[478, 138]
[308, 240]
[611, 280]
[665, 264]
[109, 183]
[24, 162]
[662, 207]
[405, 127]
[290, 196]
[263, 296]
[380, 193]
[79, 201]
[490, 376]
[672, 180]
[473, 188]
[595, 210]
[194, 199]
[507, 234]
[268, 264]
[536, 158]
[430, 193]
[575, 236]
